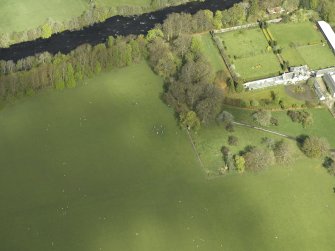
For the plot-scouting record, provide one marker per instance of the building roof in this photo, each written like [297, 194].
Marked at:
[321, 72]
[329, 33]
[330, 81]
[318, 90]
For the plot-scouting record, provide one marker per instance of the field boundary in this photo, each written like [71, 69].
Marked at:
[245, 26]
[196, 152]
[264, 130]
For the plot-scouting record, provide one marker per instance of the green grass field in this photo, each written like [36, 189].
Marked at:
[265, 93]
[258, 66]
[84, 169]
[21, 15]
[248, 51]
[210, 50]
[244, 43]
[297, 33]
[322, 118]
[301, 44]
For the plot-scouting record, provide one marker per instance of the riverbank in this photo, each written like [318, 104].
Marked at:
[98, 33]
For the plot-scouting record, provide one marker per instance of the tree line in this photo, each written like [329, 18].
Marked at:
[62, 71]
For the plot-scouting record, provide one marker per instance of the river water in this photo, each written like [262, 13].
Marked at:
[66, 41]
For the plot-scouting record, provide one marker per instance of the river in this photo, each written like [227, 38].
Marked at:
[67, 41]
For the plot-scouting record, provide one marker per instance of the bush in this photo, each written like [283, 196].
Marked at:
[59, 85]
[225, 117]
[315, 147]
[239, 87]
[302, 117]
[232, 140]
[230, 127]
[254, 103]
[283, 152]
[274, 121]
[189, 121]
[262, 117]
[239, 163]
[282, 104]
[329, 164]
[258, 158]
[268, 142]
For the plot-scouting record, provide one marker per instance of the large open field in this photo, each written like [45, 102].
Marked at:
[248, 52]
[303, 43]
[104, 167]
[21, 15]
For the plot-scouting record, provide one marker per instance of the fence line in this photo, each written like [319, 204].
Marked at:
[244, 26]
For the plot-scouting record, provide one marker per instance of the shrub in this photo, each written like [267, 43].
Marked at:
[59, 85]
[225, 151]
[239, 163]
[258, 158]
[262, 117]
[283, 152]
[329, 164]
[230, 127]
[225, 117]
[274, 121]
[239, 87]
[315, 147]
[268, 142]
[302, 117]
[190, 120]
[254, 103]
[232, 140]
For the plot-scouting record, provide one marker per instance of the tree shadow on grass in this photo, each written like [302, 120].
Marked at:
[301, 139]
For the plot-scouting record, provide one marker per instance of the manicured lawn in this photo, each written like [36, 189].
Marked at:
[303, 43]
[317, 56]
[210, 50]
[258, 95]
[293, 56]
[85, 169]
[248, 52]
[244, 43]
[296, 33]
[257, 67]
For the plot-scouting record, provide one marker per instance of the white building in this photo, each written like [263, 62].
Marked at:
[296, 74]
[318, 91]
[329, 79]
[328, 32]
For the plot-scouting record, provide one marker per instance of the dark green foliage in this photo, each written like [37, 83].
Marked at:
[232, 140]
[60, 71]
[228, 158]
[274, 121]
[230, 127]
[239, 86]
[329, 164]
[302, 117]
[225, 117]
